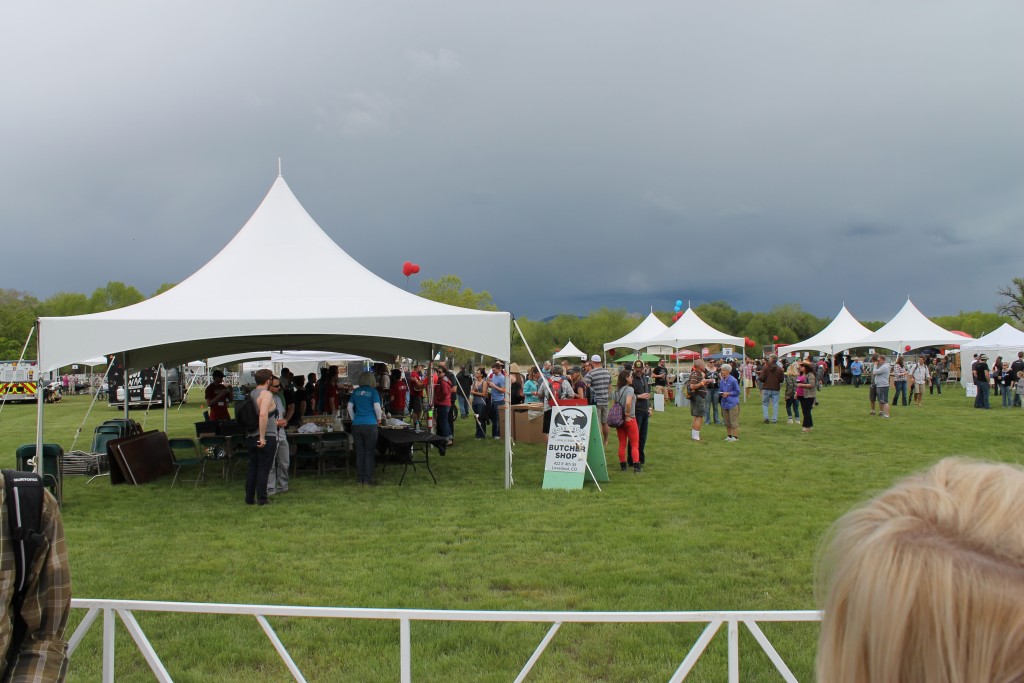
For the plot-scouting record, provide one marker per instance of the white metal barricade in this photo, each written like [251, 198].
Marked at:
[125, 609]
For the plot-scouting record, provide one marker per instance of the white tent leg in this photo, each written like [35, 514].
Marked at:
[40, 393]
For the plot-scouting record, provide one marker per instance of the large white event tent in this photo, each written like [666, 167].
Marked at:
[837, 335]
[1005, 341]
[637, 339]
[570, 351]
[910, 328]
[690, 330]
[228, 307]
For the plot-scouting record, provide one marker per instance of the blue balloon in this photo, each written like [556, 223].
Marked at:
[679, 303]
[678, 308]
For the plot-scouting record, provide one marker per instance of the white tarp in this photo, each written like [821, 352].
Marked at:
[637, 339]
[286, 356]
[223, 308]
[570, 351]
[1005, 341]
[909, 328]
[838, 334]
[690, 330]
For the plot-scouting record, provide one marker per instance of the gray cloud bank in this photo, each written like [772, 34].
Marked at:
[563, 156]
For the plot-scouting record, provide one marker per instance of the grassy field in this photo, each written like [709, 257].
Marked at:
[705, 526]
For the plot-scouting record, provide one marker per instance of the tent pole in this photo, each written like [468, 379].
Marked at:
[40, 401]
[745, 390]
[124, 384]
[165, 398]
[506, 430]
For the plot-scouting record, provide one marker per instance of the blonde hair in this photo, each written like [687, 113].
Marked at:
[791, 370]
[925, 583]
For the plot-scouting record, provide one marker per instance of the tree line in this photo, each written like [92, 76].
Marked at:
[788, 322]
[19, 310]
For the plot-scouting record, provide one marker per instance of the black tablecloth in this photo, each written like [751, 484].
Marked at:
[403, 437]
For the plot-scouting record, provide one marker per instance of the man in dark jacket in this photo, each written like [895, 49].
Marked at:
[771, 376]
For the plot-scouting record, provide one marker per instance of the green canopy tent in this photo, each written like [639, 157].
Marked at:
[645, 357]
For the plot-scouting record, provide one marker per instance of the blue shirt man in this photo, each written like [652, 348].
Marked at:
[496, 384]
[856, 368]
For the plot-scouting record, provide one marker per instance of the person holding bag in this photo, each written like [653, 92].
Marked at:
[807, 392]
[478, 391]
[628, 432]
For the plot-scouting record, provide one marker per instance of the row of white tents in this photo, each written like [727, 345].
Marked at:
[909, 329]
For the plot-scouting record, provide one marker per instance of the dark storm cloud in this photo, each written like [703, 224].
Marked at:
[561, 156]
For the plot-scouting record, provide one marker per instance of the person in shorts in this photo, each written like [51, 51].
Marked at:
[880, 383]
[698, 397]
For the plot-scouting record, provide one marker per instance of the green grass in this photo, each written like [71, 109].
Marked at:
[715, 526]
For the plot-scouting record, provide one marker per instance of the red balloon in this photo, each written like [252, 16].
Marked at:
[415, 268]
[775, 337]
[749, 343]
[407, 269]
[907, 347]
[611, 352]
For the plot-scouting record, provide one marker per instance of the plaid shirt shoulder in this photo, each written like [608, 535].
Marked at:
[43, 654]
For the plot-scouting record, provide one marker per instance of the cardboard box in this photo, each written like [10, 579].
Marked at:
[528, 423]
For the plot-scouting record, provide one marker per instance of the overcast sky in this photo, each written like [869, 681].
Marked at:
[561, 155]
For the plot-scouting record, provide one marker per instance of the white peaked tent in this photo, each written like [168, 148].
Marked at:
[570, 351]
[1005, 341]
[837, 335]
[690, 330]
[909, 328]
[223, 308]
[637, 339]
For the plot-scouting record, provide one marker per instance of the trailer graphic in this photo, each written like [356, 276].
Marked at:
[19, 381]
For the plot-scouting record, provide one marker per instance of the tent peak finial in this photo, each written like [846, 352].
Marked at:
[279, 167]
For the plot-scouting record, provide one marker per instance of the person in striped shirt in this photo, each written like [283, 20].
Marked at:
[600, 381]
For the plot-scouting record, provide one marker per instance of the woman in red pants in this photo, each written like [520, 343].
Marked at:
[628, 432]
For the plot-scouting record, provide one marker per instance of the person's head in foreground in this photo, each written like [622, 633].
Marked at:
[925, 582]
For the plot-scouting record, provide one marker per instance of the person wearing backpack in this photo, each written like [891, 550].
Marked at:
[37, 604]
[628, 432]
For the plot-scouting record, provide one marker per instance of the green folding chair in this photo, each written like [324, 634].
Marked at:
[189, 457]
[53, 457]
[308, 447]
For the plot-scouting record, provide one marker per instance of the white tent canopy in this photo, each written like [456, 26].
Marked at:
[837, 335]
[1005, 341]
[637, 339]
[223, 308]
[690, 330]
[909, 328]
[570, 351]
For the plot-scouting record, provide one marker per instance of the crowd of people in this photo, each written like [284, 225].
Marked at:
[1002, 379]
[714, 389]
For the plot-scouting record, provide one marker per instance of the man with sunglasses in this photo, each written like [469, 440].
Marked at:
[277, 481]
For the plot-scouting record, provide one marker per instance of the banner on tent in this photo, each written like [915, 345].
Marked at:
[573, 443]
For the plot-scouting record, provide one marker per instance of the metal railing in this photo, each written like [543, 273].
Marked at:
[125, 609]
